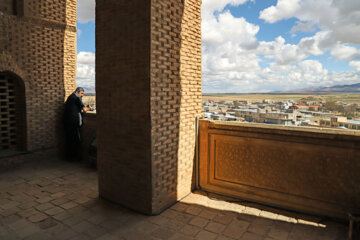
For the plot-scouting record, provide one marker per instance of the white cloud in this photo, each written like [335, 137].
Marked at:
[341, 18]
[228, 52]
[346, 53]
[235, 61]
[311, 45]
[210, 6]
[85, 76]
[283, 53]
[226, 44]
[85, 10]
[303, 27]
[283, 10]
[289, 54]
[305, 74]
[86, 58]
[355, 64]
[228, 29]
[79, 32]
[311, 67]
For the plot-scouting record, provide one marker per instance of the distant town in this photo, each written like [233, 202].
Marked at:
[341, 111]
[310, 111]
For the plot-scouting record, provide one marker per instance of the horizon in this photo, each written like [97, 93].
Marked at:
[293, 92]
[253, 46]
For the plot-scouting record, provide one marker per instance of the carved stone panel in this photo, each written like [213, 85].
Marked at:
[304, 169]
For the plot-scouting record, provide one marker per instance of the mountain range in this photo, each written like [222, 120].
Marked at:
[352, 88]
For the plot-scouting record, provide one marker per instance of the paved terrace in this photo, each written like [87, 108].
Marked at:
[59, 200]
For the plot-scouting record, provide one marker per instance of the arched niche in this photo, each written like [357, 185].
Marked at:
[12, 112]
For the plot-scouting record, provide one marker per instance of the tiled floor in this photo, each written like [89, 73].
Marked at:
[59, 200]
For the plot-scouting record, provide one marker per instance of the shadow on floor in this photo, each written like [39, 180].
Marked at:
[59, 200]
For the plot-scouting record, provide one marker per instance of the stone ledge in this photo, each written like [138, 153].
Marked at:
[294, 129]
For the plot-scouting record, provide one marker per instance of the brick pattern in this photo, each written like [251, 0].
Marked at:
[175, 96]
[151, 58]
[47, 9]
[191, 92]
[69, 59]
[165, 99]
[57, 200]
[71, 18]
[123, 102]
[41, 49]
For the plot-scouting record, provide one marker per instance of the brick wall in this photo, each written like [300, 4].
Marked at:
[175, 96]
[148, 67]
[39, 45]
[191, 92]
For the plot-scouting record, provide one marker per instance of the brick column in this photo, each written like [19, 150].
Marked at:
[148, 83]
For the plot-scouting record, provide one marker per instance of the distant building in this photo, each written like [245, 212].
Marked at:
[314, 108]
[340, 122]
[318, 114]
[286, 113]
[299, 106]
[255, 115]
[239, 103]
[210, 109]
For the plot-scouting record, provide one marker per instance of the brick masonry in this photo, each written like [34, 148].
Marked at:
[175, 96]
[148, 69]
[38, 44]
[148, 86]
[123, 102]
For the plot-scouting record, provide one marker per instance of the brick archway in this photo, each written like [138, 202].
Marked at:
[8, 64]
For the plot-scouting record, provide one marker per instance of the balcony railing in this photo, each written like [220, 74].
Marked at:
[305, 169]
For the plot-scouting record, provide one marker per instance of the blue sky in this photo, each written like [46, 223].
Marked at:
[86, 37]
[261, 45]
[268, 32]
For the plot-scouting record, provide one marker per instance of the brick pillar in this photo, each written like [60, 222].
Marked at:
[148, 83]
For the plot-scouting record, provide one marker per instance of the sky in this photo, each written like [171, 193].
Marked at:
[253, 46]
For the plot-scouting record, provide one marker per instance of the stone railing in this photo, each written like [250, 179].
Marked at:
[304, 169]
[88, 134]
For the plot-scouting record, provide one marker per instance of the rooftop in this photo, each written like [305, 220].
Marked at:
[354, 121]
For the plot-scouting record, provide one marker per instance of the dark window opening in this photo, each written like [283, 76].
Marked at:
[8, 7]
[13, 117]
